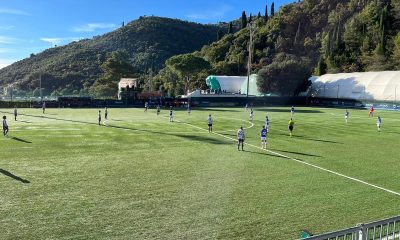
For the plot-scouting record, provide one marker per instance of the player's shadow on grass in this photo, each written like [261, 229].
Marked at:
[393, 132]
[298, 153]
[20, 140]
[310, 139]
[265, 154]
[218, 110]
[202, 139]
[8, 174]
[228, 134]
[93, 123]
[24, 121]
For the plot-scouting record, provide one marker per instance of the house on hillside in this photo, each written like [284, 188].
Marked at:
[124, 83]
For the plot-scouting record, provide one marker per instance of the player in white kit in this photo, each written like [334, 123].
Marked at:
[379, 123]
[251, 115]
[267, 123]
[241, 137]
[210, 123]
[171, 116]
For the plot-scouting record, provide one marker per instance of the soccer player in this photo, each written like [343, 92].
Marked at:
[267, 123]
[346, 116]
[379, 123]
[44, 107]
[105, 113]
[251, 114]
[15, 113]
[189, 109]
[291, 126]
[292, 111]
[5, 126]
[371, 111]
[99, 118]
[171, 116]
[158, 110]
[146, 106]
[210, 123]
[240, 137]
[263, 134]
[246, 107]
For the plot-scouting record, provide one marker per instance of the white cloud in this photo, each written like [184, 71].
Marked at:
[6, 27]
[53, 41]
[7, 40]
[60, 41]
[215, 14]
[5, 50]
[6, 62]
[91, 27]
[13, 12]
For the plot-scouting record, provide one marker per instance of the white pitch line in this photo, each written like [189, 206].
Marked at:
[251, 124]
[305, 163]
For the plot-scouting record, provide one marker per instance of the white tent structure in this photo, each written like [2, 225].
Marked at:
[231, 84]
[380, 86]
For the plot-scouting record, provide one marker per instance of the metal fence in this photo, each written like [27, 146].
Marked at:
[387, 93]
[388, 229]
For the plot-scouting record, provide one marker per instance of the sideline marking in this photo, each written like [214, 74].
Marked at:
[305, 163]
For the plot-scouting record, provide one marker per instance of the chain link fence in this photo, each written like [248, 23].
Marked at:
[381, 93]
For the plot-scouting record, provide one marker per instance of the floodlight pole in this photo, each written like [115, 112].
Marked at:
[249, 61]
[40, 87]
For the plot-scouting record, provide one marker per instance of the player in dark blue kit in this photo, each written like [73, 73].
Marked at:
[5, 126]
[264, 135]
[158, 110]
[15, 113]
[44, 107]
[99, 118]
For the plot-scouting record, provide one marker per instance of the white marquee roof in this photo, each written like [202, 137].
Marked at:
[383, 86]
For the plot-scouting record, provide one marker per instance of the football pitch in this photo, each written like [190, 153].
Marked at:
[141, 177]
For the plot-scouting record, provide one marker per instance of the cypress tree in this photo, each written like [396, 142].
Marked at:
[230, 30]
[244, 20]
[259, 15]
[297, 36]
[382, 22]
[272, 9]
[382, 42]
[250, 18]
[321, 67]
[219, 35]
[266, 13]
[328, 45]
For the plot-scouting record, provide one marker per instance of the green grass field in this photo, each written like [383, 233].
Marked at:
[141, 177]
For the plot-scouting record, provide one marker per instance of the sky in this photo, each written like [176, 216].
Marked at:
[31, 26]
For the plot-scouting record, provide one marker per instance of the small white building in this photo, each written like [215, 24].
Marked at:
[7, 91]
[124, 83]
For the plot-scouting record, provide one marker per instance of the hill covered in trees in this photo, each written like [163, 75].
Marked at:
[148, 43]
[305, 37]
